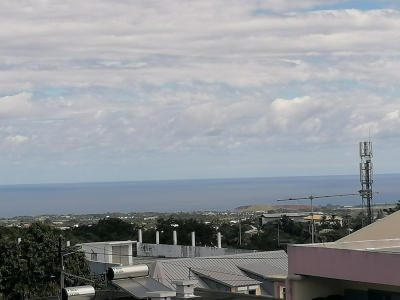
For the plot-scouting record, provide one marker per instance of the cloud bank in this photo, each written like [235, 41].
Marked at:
[107, 90]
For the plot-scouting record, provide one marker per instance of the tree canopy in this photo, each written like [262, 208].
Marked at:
[31, 268]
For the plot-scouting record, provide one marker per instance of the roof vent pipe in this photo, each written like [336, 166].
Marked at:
[162, 295]
[175, 238]
[193, 239]
[140, 240]
[185, 288]
[219, 239]
[157, 237]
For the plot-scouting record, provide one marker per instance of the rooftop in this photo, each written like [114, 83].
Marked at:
[199, 293]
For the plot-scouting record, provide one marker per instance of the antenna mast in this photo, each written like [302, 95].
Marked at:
[366, 179]
[312, 208]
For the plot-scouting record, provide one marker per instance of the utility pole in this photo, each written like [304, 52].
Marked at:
[240, 231]
[312, 208]
[61, 264]
[278, 235]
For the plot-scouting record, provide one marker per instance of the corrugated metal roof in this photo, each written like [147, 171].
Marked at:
[181, 269]
[225, 277]
[263, 270]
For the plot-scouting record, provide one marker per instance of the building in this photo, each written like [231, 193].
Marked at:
[320, 218]
[259, 273]
[360, 266]
[102, 255]
[264, 218]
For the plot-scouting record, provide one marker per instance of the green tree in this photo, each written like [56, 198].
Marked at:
[205, 233]
[390, 211]
[108, 229]
[31, 268]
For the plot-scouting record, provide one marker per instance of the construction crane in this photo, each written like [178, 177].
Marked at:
[311, 198]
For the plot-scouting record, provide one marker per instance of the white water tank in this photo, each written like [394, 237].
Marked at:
[127, 271]
[86, 292]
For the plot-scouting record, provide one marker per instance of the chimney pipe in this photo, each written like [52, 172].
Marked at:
[140, 236]
[175, 238]
[185, 288]
[193, 239]
[219, 239]
[157, 237]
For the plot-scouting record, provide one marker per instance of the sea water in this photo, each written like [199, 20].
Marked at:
[186, 195]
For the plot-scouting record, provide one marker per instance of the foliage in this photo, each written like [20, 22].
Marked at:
[390, 211]
[31, 268]
[205, 233]
[109, 229]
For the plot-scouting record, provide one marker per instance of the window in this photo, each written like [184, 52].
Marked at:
[282, 292]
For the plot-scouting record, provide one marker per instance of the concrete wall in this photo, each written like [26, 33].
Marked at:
[354, 265]
[312, 287]
[97, 268]
[328, 271]
[98, 252]
[157, 250]
[109, 252]
[357, 245]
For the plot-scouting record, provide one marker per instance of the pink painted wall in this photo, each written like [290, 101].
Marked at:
[354, 265]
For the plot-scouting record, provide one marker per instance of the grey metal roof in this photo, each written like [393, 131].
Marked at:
[181, 269]
[226, 277]
[263, 269]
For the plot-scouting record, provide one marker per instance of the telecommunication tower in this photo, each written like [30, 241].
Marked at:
[366, 179]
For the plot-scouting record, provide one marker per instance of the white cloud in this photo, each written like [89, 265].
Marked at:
[16, 106]
[106, 81]
[17, 139]
[393, 115]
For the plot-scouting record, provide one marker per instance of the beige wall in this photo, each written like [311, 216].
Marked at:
[386, 228]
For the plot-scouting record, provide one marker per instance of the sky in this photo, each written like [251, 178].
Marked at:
[106, 90]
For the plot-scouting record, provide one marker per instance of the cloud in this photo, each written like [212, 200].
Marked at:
[122, 82]
[17, 139]
[16, 106]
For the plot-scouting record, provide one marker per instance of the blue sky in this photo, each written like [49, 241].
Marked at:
[361, 5]
[110, 91]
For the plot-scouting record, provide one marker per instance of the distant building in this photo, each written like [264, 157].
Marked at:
[320, 218]
[264, 218]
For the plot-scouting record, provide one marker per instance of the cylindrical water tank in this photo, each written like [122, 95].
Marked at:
[127, 271]
[86, 292]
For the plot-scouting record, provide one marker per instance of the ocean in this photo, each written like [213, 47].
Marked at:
[185, 195]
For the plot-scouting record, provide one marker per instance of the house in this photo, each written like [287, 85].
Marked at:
[360, 266]
[259, 273]
[320, 218]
